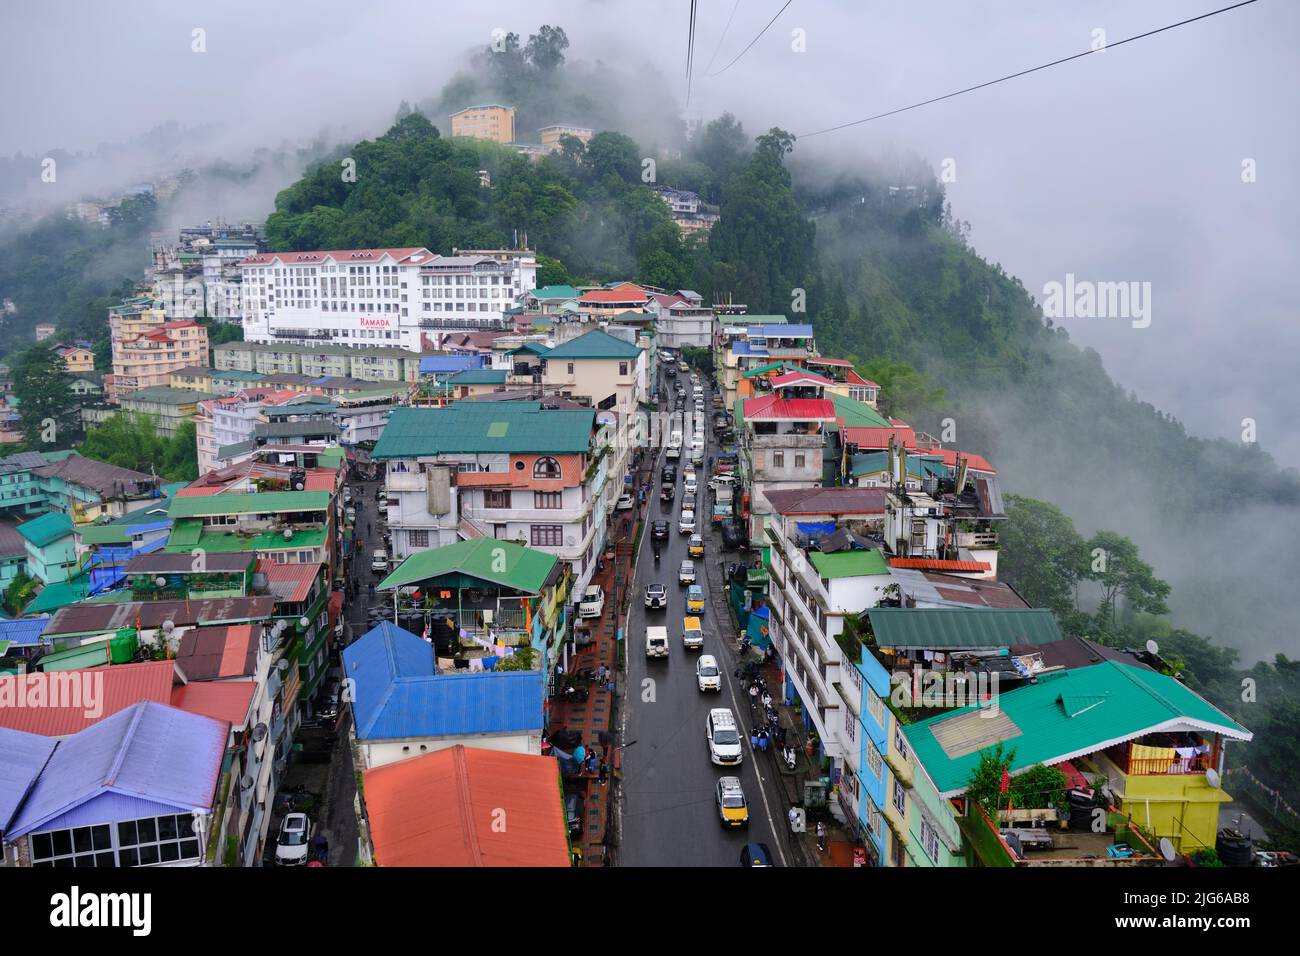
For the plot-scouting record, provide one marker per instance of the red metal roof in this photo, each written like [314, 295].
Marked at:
[791, 378]
[70, 701]
[823, 360]
[939, 564]
[853, 378]
[209, 653]
[289, 582]
[226, 700]
[614, 295]
[976, 462]
[774, 407]
[878, 438]
[445, 809]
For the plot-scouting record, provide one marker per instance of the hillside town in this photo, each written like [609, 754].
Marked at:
[460, 544]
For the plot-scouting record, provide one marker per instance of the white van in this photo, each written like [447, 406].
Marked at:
[656, 642]
[379, 562]
[686, 523]
[723, 736]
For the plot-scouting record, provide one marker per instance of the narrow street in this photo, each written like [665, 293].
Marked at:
[669, 815]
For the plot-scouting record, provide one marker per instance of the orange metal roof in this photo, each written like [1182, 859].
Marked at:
[226, 700]
[439, 809]
[938, 564]
[289, 582]
[103, 692]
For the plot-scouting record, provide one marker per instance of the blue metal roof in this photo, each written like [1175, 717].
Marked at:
[24, 632]
[437, 364]
[147, 755]
[789, 330]
[22, 758]
[398, 692]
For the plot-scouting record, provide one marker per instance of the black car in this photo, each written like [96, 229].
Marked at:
[659, 531]
[669, 473]
[756, 854]
[667, 492]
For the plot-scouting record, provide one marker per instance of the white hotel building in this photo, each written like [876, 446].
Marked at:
[406, 298]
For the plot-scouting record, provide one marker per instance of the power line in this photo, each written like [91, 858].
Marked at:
[718, 48]
[1012, 76]
[753, 41]
[690, 52]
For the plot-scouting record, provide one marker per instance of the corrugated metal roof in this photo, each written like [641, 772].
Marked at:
[101, 618]
[149, 751]
[443, 808]
[596, 344]
[75, 700]
[776, 408]
[492, 427]
[226, 700]
[940, 564]
[22, 758]
[212, 653]
[399, 694]
[47, 529]
[929, 587]
[945, 628]
[162, 562]
[289, 582]
[264, 502]
[489, 559]
[1048, 722]
[24, 632]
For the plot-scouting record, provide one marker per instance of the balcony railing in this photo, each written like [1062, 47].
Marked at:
[1162, 767]
[789, 440]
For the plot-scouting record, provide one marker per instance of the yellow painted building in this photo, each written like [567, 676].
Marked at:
[492, 122]
[550, 135]
[77, 359]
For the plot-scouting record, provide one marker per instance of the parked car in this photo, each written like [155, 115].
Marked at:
[659, 530]
[350, 514]
[656, 597]
[593, 602]
[686, 573]
[723, 736]
[625, 503]
[707, 674]
[674, 451]
[722, 484]
[733, 811]
[292, 844]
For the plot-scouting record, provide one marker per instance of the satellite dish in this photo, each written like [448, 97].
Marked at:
[246, 782]
[168, 626]
[288, 534]
[1153, 647]
[283, 666]
[160, 581]
[303, 622]
[1212, 778]
[259, 732]
[1167, 849]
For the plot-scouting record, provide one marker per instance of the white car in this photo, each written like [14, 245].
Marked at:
[674, 451]
[707, 674]
[686, 573]
[379, 562]
[295, 836]
[689, 484]
[593, 602]
[625, 503]
[686, 523]
[723, 735]
[722, 484]
[656, 642]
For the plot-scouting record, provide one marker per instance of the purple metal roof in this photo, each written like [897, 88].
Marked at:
[148, 755]
[22, 757]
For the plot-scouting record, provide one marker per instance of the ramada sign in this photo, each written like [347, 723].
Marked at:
[367, 323]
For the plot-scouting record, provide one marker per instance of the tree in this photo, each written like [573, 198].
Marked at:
[130, 440]
[545, 49]
[904, 391]
[1041, 556]
[1118, 567]
[19, 593]
[47, 411]
[613, 154]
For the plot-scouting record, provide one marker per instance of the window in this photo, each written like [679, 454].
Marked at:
[900, 798]
[622, 368]
[548, 499]
[546, 468]
[141, 842]
[929, 840]
[799, 461]
[900, 741]
[778, 459]
[874, 761]
[496, 499]
[547, 535]
[570, 368]
[417, 539]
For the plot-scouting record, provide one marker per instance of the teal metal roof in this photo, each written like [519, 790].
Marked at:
[491, 427]
[1063, 716]
[938, 628]
[47, 529]
[503, 563]
[478, 376]
[596, 344]
[263, 502]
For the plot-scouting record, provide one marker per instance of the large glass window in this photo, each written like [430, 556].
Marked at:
[143, 842]
[546, 468]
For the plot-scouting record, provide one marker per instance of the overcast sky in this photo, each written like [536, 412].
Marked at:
[1125, 166]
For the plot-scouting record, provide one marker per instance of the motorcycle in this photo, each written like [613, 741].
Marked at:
[656, 557]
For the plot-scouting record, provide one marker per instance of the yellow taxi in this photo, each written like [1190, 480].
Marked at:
[692, 634]
[695, 599]
[696, 548]
[732, 809]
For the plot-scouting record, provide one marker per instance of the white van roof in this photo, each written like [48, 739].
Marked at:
[721, 717]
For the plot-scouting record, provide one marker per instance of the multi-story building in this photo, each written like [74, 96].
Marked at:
[682, 319]
[490, 121]
[200, 276]
[167, 407]
[368, 297]
[147, 348]
[782, 442]
[511, 470]
[312, 362]
[77, 359]
[549, 136]
[44, 330]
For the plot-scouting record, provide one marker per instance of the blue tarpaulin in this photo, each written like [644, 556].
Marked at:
[815, 529]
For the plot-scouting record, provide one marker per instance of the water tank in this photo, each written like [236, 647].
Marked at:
[124, 645]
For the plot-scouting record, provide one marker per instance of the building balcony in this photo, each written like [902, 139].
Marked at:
[474, 324]
[788, 440]
[976, 540]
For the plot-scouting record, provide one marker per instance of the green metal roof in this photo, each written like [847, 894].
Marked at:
[46, 529]
[218, 542]
[165, 395]
[492, 427]
[75, 658]
[938, 628]
[596, 344]
[748, 320]
[555, 292]
[503, 563]
[55, 596]
[849, 564]
[103, 534]
[918, 466]
[264, 502]
[1065, 715]
[857, 414]
[764, 369]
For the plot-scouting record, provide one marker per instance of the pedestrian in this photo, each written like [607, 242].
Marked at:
[604, 773]
[753, 694]
[753, 738]
[821, 836]
[767, 701]
[762, 740]
[793, 817]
